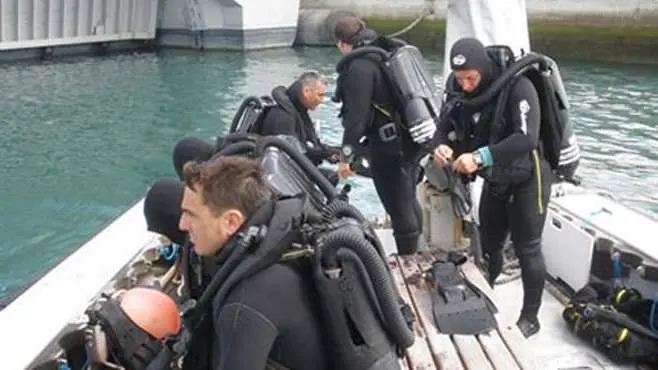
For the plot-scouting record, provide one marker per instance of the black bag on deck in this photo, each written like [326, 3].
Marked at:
[617, 321]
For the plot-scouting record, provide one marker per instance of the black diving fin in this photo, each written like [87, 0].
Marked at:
[458, 306]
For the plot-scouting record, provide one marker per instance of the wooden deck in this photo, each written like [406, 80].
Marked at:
[554, 347]
[501, 349]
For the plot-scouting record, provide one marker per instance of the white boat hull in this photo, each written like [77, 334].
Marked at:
[36, 317]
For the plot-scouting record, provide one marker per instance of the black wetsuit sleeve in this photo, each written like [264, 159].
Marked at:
[446, 124]
[523, 114]
[443, 129]
[245, 337]
[318, 151]
[279, 122]
[441, 135]
[357, 91]
[316, 155]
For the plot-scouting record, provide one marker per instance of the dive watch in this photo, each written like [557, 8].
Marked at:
[477, 158]
[347, 154]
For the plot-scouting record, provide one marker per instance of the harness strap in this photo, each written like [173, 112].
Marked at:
[381, 110]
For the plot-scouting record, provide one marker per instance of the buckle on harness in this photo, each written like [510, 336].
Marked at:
[388, 132]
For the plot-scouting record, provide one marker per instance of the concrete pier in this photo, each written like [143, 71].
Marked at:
[227, 24]
[612, 30]
[46, 29]
[50, 28]
[608, 12]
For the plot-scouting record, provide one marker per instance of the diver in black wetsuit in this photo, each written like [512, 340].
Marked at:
[368, 111]
[270, 317]
[517, 178]
[289, 117]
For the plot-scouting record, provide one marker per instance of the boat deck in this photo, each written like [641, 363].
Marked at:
[554, 347]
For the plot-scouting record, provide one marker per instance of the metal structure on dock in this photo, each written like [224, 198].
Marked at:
[29, 24]
[32, 29]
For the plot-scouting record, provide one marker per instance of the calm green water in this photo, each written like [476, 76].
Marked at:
[82, 140]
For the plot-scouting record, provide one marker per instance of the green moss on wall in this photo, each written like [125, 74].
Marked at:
[427, 34]
[560, 39]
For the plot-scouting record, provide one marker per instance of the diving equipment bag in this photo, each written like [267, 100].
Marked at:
[619, 322]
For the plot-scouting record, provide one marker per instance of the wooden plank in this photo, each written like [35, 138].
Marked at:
[471, 352]
[419, 355]
[510, 334]
[442, 347]
[497, 352]
[468, 346]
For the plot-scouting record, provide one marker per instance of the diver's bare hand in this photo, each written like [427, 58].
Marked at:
[344, 170]
[334, 158]
[465, 164]
[442, 155]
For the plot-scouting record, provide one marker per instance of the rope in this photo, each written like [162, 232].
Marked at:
[424, 13]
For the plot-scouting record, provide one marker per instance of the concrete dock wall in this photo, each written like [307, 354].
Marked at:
[227, 24]
[628, 12]
[46, 29]
[612, 30]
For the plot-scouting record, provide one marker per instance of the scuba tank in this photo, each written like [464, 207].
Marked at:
[415, 96]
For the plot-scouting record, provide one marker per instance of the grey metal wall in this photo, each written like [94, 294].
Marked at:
[45, 23]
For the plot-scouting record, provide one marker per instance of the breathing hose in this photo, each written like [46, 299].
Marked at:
[327, 253]
[340, 208]
[242, 147]
[518, 67]
[345, 254]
